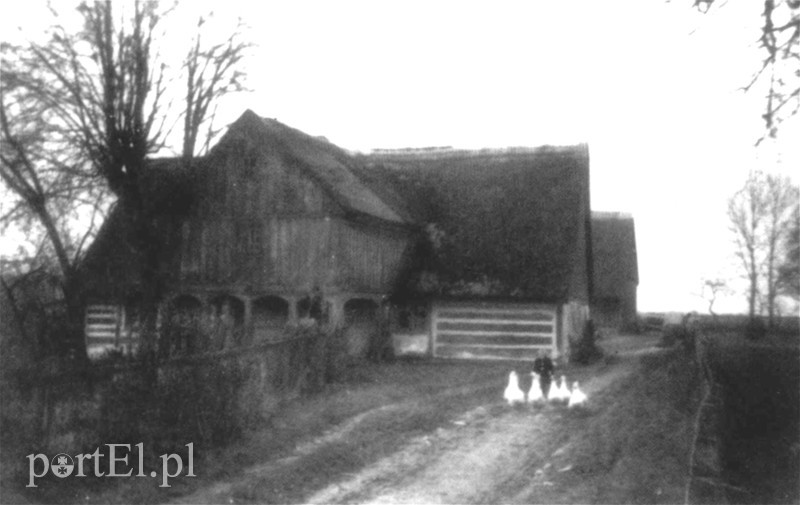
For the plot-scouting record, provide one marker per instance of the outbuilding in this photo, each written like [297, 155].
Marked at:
[616, 273]
[476, 254]
[502, 265]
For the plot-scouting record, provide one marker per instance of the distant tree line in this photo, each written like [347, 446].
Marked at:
[765, 221]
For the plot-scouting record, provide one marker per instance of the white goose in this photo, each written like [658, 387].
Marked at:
[513, 394]
[559, 391]
[577, 398]
[535, 392]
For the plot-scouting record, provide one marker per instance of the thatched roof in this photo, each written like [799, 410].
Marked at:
[329, 165]
[173, 193]
[614, 250]
[502, 223]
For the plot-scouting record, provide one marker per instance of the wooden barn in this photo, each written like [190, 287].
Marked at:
[502, 267]
[479, 254]
[269, 228]
[616, 272]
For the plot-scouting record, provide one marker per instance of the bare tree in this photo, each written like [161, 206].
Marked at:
[104, 89]
[782, 198]
[780, 66]
[99, 88]
[47, 192]
[210, 73]
[760, 215]
[789, 269]
[711, 290]
[745, 211]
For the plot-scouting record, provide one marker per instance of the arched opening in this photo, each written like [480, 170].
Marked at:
[313, 307]
[184, 331]
[186, 308]
[409, 326]
[362, 325]
[227, 324]
[410, 317]
[270, 315]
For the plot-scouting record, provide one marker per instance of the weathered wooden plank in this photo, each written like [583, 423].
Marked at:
[102, 327]
[463, 352]
[516, 326]
[496, 305]
[102, 340]
[545, 334]
[100, 309]
[490, 315]
[492, 339]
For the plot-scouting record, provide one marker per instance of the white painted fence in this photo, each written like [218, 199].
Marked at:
[109, 327]
[493, 331]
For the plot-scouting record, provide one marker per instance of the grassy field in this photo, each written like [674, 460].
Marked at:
[635, 448]
[761, 421]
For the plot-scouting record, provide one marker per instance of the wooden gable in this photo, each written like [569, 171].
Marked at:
[267, 216]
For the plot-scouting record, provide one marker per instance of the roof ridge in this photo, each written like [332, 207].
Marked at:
[332, 167]
[448, 151]
[606, 214]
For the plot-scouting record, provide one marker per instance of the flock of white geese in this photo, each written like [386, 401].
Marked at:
[560, 392]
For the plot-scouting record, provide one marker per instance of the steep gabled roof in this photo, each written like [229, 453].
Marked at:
[497, 222]
[614, 250]
[329, 165]
[112, 264]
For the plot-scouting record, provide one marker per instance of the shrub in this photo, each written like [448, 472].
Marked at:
[676, 333]
[755, 329]
[169, 407]
[633, 327]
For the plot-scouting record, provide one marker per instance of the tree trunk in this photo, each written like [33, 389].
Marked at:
[771, 295]
[73, 333]
[753, 284]
[74, 306]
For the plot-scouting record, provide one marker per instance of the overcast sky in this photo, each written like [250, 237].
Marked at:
[651, 86]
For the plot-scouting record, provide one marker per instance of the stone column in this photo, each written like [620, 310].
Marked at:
[336, 316]
[247, 323]
[292, 316]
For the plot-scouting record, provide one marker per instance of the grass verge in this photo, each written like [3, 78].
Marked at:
[634, 448]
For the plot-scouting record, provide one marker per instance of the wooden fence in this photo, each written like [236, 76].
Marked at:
[61, 405]
[109, 327]
[493, 331]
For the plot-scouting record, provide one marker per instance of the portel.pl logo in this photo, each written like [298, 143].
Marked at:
[63, 465]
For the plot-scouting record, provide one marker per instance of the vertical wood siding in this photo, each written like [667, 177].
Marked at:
[366, 259]
[265, 224]
[296, 252]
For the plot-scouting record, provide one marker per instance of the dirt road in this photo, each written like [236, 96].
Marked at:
[476, 449]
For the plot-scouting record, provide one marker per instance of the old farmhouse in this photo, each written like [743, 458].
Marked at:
[616, 273]
[477, 254]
